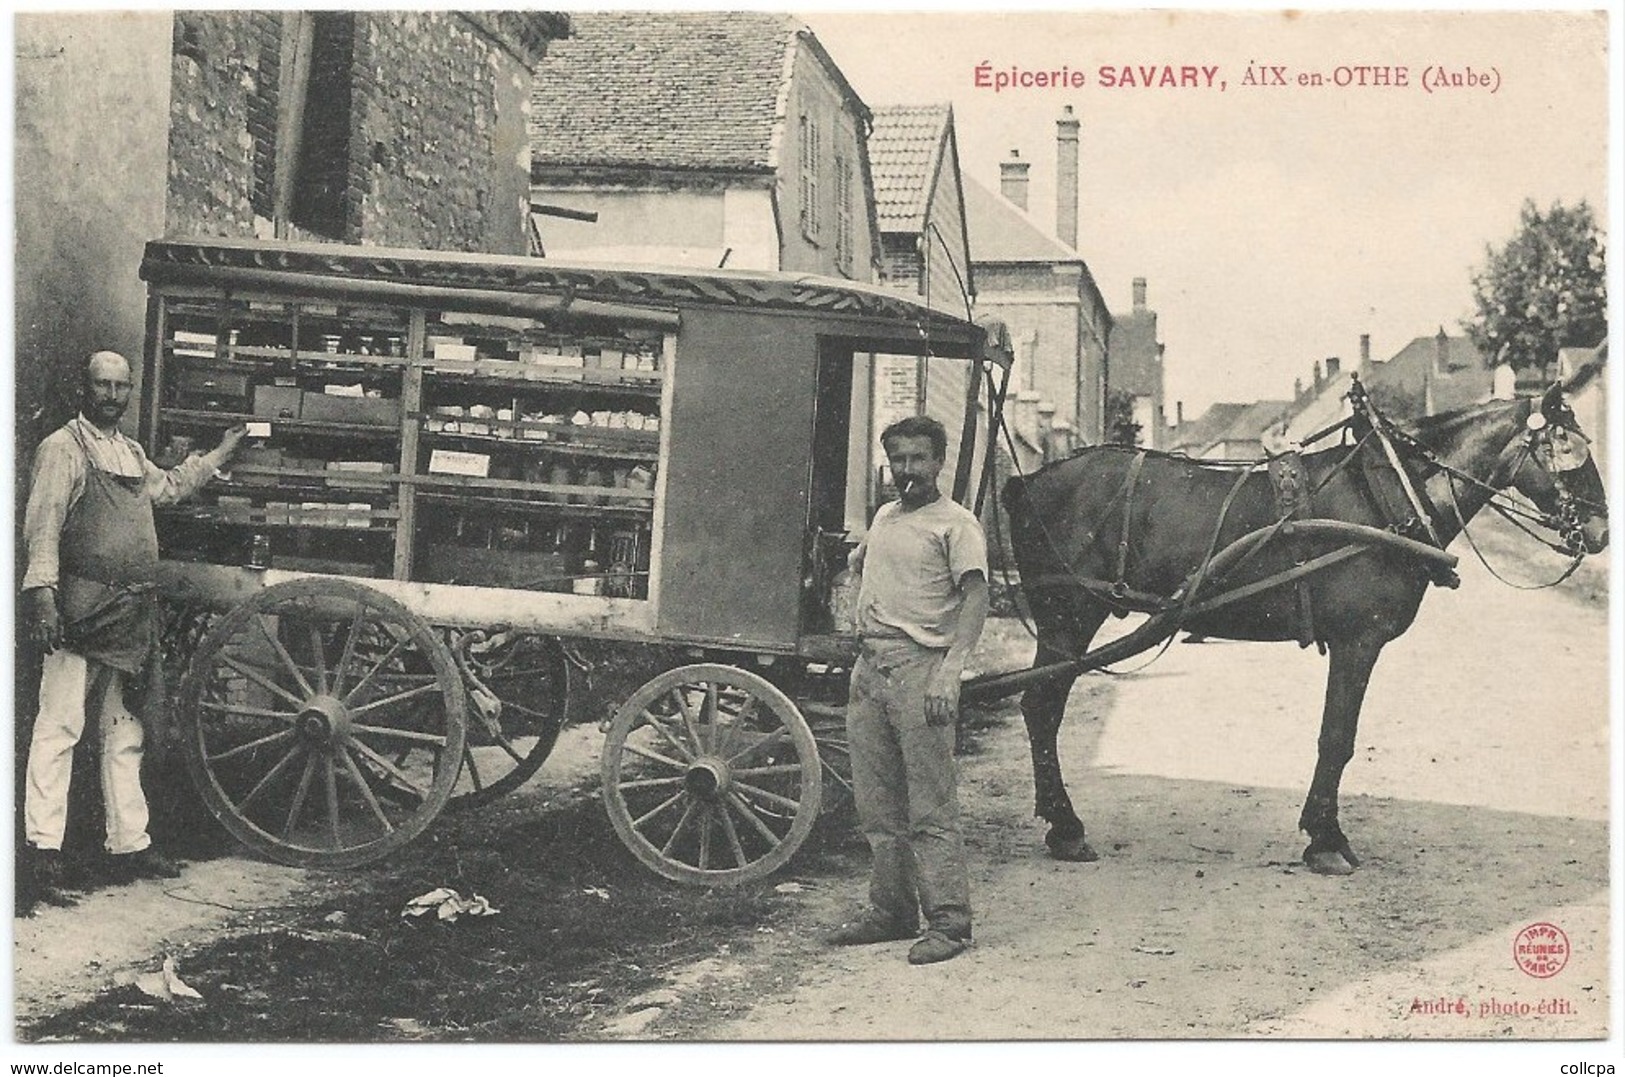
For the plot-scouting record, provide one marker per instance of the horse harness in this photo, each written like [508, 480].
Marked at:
[1397, 494]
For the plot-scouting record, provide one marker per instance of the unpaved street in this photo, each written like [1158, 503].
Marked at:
[1478, 800]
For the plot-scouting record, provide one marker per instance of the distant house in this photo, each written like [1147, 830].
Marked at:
[701, 138]
[1430, 375]
[925, 251]
[1323, 402]
[1134, 366]
[1042, 288]
[1231, 431]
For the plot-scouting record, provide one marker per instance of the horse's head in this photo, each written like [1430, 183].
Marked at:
[1557, 473]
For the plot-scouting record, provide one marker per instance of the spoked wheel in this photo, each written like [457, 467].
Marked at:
[711, 775]
[828, 724]
[519, 698]
[324, 723]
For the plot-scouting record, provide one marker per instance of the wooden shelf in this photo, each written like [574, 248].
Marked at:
[640, 513]
[332, 479]
[257, 518]
[190, 417]
[476, 482]
[644, 449]
[639, 382]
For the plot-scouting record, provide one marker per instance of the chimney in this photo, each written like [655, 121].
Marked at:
[1318, 380]
[1139, 293]
[1441, 349]
[1333, 365]
[1013, 179]
[1365, 351]
[1066, 177]
[1179, 413]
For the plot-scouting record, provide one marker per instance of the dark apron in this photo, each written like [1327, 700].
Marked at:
[109, 565]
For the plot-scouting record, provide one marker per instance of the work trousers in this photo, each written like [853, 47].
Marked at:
[63, 710]
[904, 780]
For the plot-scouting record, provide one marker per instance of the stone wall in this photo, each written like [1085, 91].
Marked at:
[425, 130]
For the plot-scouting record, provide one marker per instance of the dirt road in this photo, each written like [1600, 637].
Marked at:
[1478, 800]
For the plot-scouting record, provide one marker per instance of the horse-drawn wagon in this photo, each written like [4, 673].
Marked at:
[460, 464]
[464, 463]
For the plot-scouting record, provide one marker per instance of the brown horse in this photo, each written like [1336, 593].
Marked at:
[1080, 560]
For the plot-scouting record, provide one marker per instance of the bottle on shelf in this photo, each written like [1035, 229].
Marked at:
[259, 551]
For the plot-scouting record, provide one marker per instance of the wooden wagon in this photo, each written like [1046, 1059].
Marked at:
[460, 463]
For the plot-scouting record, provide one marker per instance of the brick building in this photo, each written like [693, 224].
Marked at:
[403, 129]
[1042, 288]
[387, 128]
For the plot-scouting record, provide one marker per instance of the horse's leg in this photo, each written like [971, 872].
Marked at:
[1042, 707]
[1328, 852]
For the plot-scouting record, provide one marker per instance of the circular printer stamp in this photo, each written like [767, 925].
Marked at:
[1541, 950]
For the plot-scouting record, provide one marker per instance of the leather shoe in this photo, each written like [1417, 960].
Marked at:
[50, 875]
[148, 863]
[934, 947]
[867, 932]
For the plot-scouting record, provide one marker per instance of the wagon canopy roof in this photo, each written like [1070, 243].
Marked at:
[874, 318]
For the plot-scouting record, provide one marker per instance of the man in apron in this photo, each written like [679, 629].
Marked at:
[89, 605]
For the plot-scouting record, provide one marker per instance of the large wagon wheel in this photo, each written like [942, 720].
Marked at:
[520, 690]
[711, 775]
[324, 723]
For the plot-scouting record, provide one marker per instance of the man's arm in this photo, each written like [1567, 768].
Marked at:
[59, 472]
[942, 694]
[187, 477]
[58, 481]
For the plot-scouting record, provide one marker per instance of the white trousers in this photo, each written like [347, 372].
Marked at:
[63, 708]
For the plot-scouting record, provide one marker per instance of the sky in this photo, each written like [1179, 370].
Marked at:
[1274, 224]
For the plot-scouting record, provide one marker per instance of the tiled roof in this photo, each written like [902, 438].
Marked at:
[674, 90]
[1001, 232]
[904, 149]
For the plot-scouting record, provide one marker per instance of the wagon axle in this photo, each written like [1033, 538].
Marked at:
[708, 778]
[323, 721]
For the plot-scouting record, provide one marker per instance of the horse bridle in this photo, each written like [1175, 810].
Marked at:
[1552, 447]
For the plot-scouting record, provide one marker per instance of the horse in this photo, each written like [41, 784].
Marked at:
[1112, 528]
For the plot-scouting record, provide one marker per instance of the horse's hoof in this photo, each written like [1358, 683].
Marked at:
[1073, 850]
[1330, 862]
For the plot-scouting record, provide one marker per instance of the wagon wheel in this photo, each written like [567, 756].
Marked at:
[520, 692]
[711, 775]
[828, 724]
[324, 723]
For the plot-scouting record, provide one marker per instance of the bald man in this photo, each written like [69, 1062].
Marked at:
[88, 604]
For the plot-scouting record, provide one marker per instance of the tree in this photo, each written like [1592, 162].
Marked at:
[1545, 289]
[1121, 429]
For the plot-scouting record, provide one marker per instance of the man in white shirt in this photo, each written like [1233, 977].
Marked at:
[921, 606]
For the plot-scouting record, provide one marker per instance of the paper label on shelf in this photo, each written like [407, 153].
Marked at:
[257, 430]
[455, 462]
[459, 352]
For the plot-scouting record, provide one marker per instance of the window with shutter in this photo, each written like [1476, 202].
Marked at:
[809, 177]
